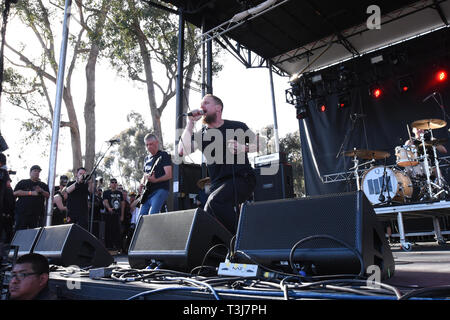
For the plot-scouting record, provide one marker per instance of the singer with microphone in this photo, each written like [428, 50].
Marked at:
[232, 178]
[155, 184]
[77, 198]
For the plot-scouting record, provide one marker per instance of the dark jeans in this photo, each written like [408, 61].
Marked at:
[226, 196]
[112, 230]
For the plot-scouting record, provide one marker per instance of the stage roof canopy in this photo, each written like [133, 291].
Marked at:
[298, 36]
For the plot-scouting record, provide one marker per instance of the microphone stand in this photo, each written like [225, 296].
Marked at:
[385, 186]
[89, 176]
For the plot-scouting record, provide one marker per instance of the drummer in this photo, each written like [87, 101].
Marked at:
[418, 171]
[427, 137]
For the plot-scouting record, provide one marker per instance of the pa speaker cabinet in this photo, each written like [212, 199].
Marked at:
[178, 240]
[274, 186]
[70, 244]
[329, 233]
[25, 240]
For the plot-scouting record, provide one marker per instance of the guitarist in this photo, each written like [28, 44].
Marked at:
[156, 184]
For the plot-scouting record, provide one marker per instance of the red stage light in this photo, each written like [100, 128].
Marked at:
[322, 108]
[376, 93]
[441, 75]
[405, 88]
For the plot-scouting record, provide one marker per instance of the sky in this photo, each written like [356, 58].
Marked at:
[245, 92]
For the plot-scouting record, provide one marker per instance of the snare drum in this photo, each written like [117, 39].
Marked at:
[397, 183]
[406, 155]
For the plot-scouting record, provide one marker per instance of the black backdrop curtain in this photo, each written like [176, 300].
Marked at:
[368, 123]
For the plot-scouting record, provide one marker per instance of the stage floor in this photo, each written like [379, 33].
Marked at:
[425, 266]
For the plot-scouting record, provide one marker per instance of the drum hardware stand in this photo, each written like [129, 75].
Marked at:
[430, 183]
[355, 169]
[427, 166]
[385, 187]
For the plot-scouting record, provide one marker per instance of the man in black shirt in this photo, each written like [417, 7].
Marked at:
[30, 206]
[225, 145]
[115, 213]
[7, 203]
[77, 199]
[157, 184]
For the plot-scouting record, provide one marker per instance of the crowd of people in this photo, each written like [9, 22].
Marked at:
[25, 206]
[111, 214]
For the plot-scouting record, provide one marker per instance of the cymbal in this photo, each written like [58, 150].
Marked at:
[201, 183]
[367, 154]
[428, 124]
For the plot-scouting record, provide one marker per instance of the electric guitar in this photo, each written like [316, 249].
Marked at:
[146, 192]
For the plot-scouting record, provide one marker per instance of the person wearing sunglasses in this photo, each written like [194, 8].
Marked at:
[29, 279]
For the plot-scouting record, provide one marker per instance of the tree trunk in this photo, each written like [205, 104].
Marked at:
[74, 130]
[156, 116]
[89, 108]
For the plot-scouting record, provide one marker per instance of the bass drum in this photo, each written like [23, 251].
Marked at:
[397, 185]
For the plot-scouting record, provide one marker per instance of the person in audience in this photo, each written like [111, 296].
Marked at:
[29, 279]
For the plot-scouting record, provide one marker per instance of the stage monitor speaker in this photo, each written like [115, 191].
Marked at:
[70, 244]
[178, 240]
[274, 186]
[25, 240]
[331, 235]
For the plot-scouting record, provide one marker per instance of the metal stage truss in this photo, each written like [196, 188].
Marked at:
[349, 175]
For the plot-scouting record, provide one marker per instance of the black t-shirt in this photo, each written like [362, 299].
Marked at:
[7, 200]
[30, 205]
[114, 198]
[77, 200]
[221, 163]
[165, 161]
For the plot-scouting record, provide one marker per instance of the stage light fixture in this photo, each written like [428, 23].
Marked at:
[302, 112]
[377, 59]
[343, 101]
[316, 78]
[441, 75]
[321, 106]
[404, 84]
[376, 91]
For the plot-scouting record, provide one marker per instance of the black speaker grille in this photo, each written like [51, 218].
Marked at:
[25, 240]
[164, 231]
[53, 238]
[281, 227]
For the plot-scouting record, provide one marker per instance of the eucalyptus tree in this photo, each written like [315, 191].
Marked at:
[32, 71]
[142, 44]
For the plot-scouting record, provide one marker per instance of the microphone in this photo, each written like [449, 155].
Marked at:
[112, 141]
[196, 112]
[429, 96]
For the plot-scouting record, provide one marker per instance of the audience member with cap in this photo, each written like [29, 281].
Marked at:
[30, 206]
[29, 279]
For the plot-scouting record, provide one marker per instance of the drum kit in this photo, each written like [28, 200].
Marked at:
[416, 177]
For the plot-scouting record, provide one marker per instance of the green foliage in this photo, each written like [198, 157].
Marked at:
[290, 145]
[126, 163]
